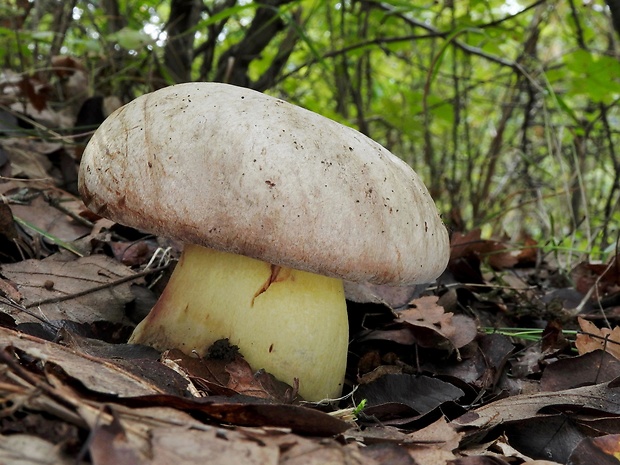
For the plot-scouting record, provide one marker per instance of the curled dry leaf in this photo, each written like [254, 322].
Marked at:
[227, 377]
[592, 338]
[9, 290]
[606, 277]
[98, 375]
[495, 253]
[133, 253]
[599, 397]
[430, 445]
[163, 436]
[432, 327]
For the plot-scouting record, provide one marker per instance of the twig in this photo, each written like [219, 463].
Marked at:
[56, 203]
[117, 282]
[593, 289]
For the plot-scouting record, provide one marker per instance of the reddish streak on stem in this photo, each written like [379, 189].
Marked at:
[273, 277]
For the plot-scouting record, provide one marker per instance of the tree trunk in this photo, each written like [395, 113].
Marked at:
[178, 53]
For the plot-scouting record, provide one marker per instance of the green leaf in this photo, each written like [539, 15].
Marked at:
[225, 14]
[597, 77]
[50, 237]
[130, 39]
[44, 36]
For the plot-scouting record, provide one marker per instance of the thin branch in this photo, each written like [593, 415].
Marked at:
[432, 33]
[463, 46]
[117, 282]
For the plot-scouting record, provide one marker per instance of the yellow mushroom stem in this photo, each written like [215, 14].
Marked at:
[291, 323]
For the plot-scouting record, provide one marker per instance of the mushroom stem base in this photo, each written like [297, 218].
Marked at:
[291, 323]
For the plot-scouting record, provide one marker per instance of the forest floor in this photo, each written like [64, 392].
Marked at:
[507, 358]
[511, 357]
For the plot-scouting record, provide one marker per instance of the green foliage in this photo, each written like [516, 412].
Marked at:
[596, 77]
[360, 408]
[130, 39]
[508, 111]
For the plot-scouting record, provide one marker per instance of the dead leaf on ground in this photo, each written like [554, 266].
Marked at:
[388, 454]
[602, 450]
[587, 369]
[600, 397]
[547, 425]
[432, 444]
[9, 290]
[8, 230]
[606, 277]
[421, 394]
[230, 377]
[29, 158]
[592, 338]
[55, 289]
[550, 436]
[29, 449]
[125, 382]
[42, 214]
[133, 253]
[128, 437]
[482, 362]
[497, 254]
[432, 327]
[96, 374]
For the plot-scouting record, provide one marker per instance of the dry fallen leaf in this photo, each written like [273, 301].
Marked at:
[606, 277]
[430, 324]
[116, 381]
[165, 436]
[600, 450]
[55, 289]
[590, 368]
[592, 338]
[41, 213]
[420, 394]
[25, 449]
[98, 375]
[498, 255]
[242, 379]
[227, 377]
[9, 290]
[600, 397]
[29, 157]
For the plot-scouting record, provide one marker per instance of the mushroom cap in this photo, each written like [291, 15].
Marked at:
[236, 170]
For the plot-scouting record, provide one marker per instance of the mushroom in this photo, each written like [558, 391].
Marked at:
[277, 206]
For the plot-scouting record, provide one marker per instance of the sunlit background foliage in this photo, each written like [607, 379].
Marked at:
[508, 109]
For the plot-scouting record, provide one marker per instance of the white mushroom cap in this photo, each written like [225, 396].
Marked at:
[232, 169]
